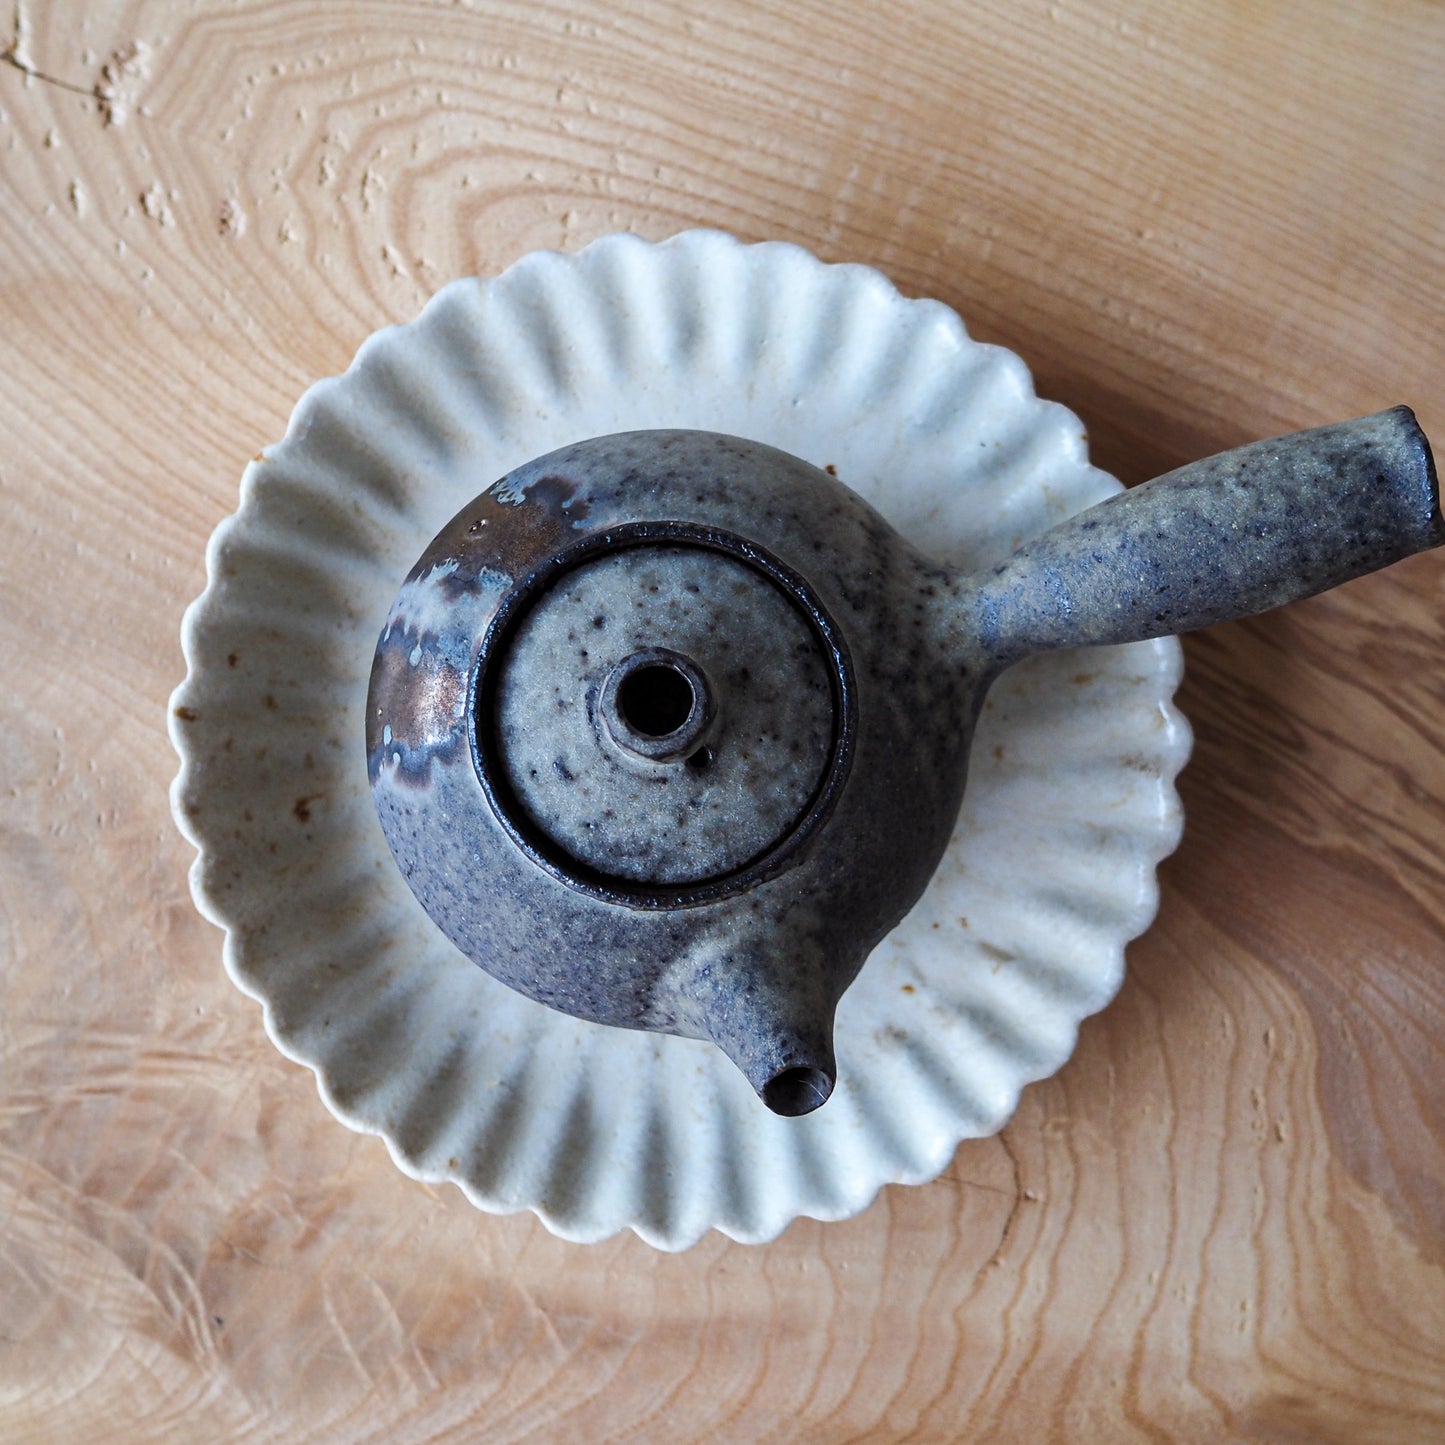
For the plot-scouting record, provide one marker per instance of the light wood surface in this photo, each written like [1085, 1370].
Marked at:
[1200, 223]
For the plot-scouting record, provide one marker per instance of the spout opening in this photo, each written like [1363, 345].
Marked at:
[797, 1091]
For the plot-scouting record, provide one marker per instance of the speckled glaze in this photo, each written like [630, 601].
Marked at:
[724, 872]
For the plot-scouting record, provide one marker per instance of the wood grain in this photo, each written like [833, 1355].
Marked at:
[1200, 223]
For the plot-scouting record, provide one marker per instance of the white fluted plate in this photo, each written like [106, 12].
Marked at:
[981, 989]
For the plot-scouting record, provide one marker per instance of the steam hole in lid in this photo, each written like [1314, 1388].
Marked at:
[655, 700]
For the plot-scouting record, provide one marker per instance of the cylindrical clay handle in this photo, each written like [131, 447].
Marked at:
[1222, 538]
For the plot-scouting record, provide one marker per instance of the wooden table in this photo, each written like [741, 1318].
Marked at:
[1201, 223]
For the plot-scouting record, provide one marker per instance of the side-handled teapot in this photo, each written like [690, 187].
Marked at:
[667, 729]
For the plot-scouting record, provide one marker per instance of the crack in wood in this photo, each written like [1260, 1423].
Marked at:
[12, 56]
[107, 91]
[1018, 1199]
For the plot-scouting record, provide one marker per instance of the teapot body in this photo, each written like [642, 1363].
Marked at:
[667, 730]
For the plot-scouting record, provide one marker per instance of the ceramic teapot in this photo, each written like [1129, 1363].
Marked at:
[667, 729]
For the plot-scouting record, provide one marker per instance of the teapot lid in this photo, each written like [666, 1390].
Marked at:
[661, 711]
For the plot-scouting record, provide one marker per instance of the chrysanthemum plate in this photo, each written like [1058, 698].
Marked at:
[1070, 803]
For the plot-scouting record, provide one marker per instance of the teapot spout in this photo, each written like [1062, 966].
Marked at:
[788, 1061]
[774, 1019]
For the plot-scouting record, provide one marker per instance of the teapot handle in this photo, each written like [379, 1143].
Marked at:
[1226, 537]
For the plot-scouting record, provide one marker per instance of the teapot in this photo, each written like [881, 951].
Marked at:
[668, 729]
